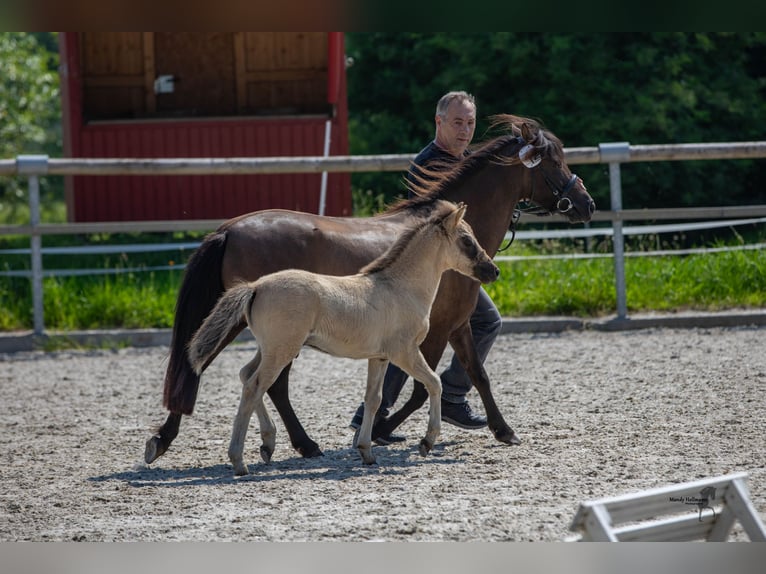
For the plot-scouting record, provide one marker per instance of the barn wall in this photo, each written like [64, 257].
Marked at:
[108, 198]
[236, 94]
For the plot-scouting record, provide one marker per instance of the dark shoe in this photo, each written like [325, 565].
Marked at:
[381, 440]
[460, 415]
[387, 440]
[356, 423]
[356, 420]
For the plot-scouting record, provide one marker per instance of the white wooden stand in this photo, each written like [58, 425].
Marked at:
[677, 513]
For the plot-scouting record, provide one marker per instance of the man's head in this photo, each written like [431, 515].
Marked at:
[455, 122]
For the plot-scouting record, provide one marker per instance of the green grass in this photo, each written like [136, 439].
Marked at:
[570, 287]
[585, 287]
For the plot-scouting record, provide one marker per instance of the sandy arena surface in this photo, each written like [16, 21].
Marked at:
[599, 414]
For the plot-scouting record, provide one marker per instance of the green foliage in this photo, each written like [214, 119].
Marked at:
[569, 287]
[585, 288]
[588, 88]
[131, 301]
[30, 115]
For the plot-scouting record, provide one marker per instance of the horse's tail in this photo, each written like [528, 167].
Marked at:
[201, 287]
[225, 318]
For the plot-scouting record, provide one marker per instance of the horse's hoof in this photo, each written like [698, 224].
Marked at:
[424, 447]
[154, 449]
[241, 470]
[266, 453]
[310, 451]
[507, 436]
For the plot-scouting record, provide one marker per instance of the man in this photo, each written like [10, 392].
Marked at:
[455, 124]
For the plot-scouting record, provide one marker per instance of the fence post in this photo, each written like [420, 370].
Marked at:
[33, 166]
[613, 153]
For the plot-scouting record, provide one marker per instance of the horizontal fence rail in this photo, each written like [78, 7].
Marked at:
[613, 154]
[359, 163]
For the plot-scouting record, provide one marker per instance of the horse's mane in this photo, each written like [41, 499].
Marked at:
[431, 186]
[441, 210]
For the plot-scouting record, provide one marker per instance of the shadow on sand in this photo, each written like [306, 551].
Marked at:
[337, 464]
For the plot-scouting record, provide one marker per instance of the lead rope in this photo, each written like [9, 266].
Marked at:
[512, 228]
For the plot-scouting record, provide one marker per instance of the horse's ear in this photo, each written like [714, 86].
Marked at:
[526, 132]
[452, 220]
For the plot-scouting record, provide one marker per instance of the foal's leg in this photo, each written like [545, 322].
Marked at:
[376, 369]
[417, 367]
[242, 418]
[252, 382]
[432, 349]
[266, 378]
[246, 372]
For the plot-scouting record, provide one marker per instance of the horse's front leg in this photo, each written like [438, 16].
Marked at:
[376, 369]
[279, 395]
[419, 370]
[465, 350]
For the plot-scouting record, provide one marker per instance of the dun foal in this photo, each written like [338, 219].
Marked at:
[380, 314]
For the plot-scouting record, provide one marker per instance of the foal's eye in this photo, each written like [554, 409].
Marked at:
[467, 241]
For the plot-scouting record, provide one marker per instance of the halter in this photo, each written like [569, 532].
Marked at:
[563, 203]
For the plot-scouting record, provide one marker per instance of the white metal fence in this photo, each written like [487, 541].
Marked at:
[614, 154]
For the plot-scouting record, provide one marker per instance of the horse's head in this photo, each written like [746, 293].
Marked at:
[470, 258]
[554, 188]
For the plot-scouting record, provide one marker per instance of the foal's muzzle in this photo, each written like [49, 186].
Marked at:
[486, 272]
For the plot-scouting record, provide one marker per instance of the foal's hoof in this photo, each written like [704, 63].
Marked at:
[154, 449]
[266, 453]
[425, 447]
[368, 458]
[241, 469]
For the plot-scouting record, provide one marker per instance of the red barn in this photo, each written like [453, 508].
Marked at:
[202, 94]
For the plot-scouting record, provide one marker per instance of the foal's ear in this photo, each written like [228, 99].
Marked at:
[452, 221]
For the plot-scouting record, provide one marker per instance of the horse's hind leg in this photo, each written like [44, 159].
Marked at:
[158, 444]
[279, 395]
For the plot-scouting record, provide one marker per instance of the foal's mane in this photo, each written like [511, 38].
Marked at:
[523, 131]
[441, 210]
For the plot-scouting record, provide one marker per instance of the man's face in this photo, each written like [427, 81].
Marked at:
[455, 130]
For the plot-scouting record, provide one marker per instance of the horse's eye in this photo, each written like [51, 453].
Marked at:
[467, 241]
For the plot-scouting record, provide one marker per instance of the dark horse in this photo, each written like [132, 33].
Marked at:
[525, 165]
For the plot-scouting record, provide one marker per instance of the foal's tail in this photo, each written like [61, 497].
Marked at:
[225, 318]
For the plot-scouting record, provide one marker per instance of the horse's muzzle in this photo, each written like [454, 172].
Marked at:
[486, 272]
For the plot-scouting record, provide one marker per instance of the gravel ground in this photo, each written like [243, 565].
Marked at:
[599, 414]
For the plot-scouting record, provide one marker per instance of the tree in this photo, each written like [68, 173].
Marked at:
[30, 109]
[644, 88]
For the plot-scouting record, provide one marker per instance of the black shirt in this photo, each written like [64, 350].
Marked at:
[429, 155]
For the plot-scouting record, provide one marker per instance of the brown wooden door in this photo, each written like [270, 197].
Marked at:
[202, 65]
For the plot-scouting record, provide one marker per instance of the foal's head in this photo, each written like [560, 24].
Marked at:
[465, 255]
[446, 231]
